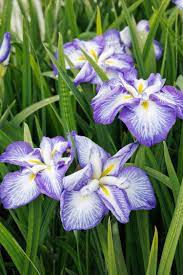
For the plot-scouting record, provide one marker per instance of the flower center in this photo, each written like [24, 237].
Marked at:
[145, 105]
[140, 88]
[93, 54]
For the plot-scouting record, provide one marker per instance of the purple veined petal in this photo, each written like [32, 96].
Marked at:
[155, 83]
[148, 121]
[156, 80]
[95, 159]
[172, 97]
[143, 25]
[85, 74]
[93, 47]
[114, 164]
[52, 149]
[81, 212]
[126, 37]
[46, 149]
[106, 106]
[59, 147]
[137, 186]
[74, 54]
[50, 180]
[18, 188]
[112, 40]
[77, 180]
[84, 146]
[178, 3]
[157, 49]
[128, 86]
[121, 62]
[21, 153]
[116, 201]
[106, 53]
[5, 47]
[129, 76]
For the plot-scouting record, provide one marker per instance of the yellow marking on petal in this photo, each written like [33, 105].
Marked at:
[105, 189]
[35, 161]
[145, 105]
[140, 88]
[32, 177]
[93, 54]
[126, 97]
[81, 58]
[109, 61]
[107, 170]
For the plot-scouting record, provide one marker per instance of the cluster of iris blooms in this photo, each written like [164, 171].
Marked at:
[103, 183]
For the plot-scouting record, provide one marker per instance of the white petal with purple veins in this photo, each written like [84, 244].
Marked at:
[81, 211]
[172, 97]
[148, 121]
[21, 153]
[84, 146]
[78, 179]
[116, 201]
[126, 36]
[106, 106]
[137, 186]
[50, 181]
[85, 74]
[18, 188]
[115, 163]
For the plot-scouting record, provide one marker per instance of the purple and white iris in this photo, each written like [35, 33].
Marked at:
[42, 170]
[142, 28]
[106, 50]
[5, 53]
[178, 3]
[148, 109]
[103, 184]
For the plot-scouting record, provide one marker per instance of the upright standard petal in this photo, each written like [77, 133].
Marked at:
[81, 212]
[116, 201]
[137, 186]
[172, 97]
[50, 180]
[5, 47]
[84, 146]
[114, 164]
[149, 121]
[52, 150]
[126, 36]
[21, 153]
[18, 188]
[112, 40]
[77, 180]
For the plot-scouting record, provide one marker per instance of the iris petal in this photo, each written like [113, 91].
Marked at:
[18, 188]
[81, 212]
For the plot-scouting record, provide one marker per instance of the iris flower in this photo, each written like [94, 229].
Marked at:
[42, 170]
[142, 28]
[178, 3]
[106, 50]
[103, 184]
[148, 109]
[5, 53]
